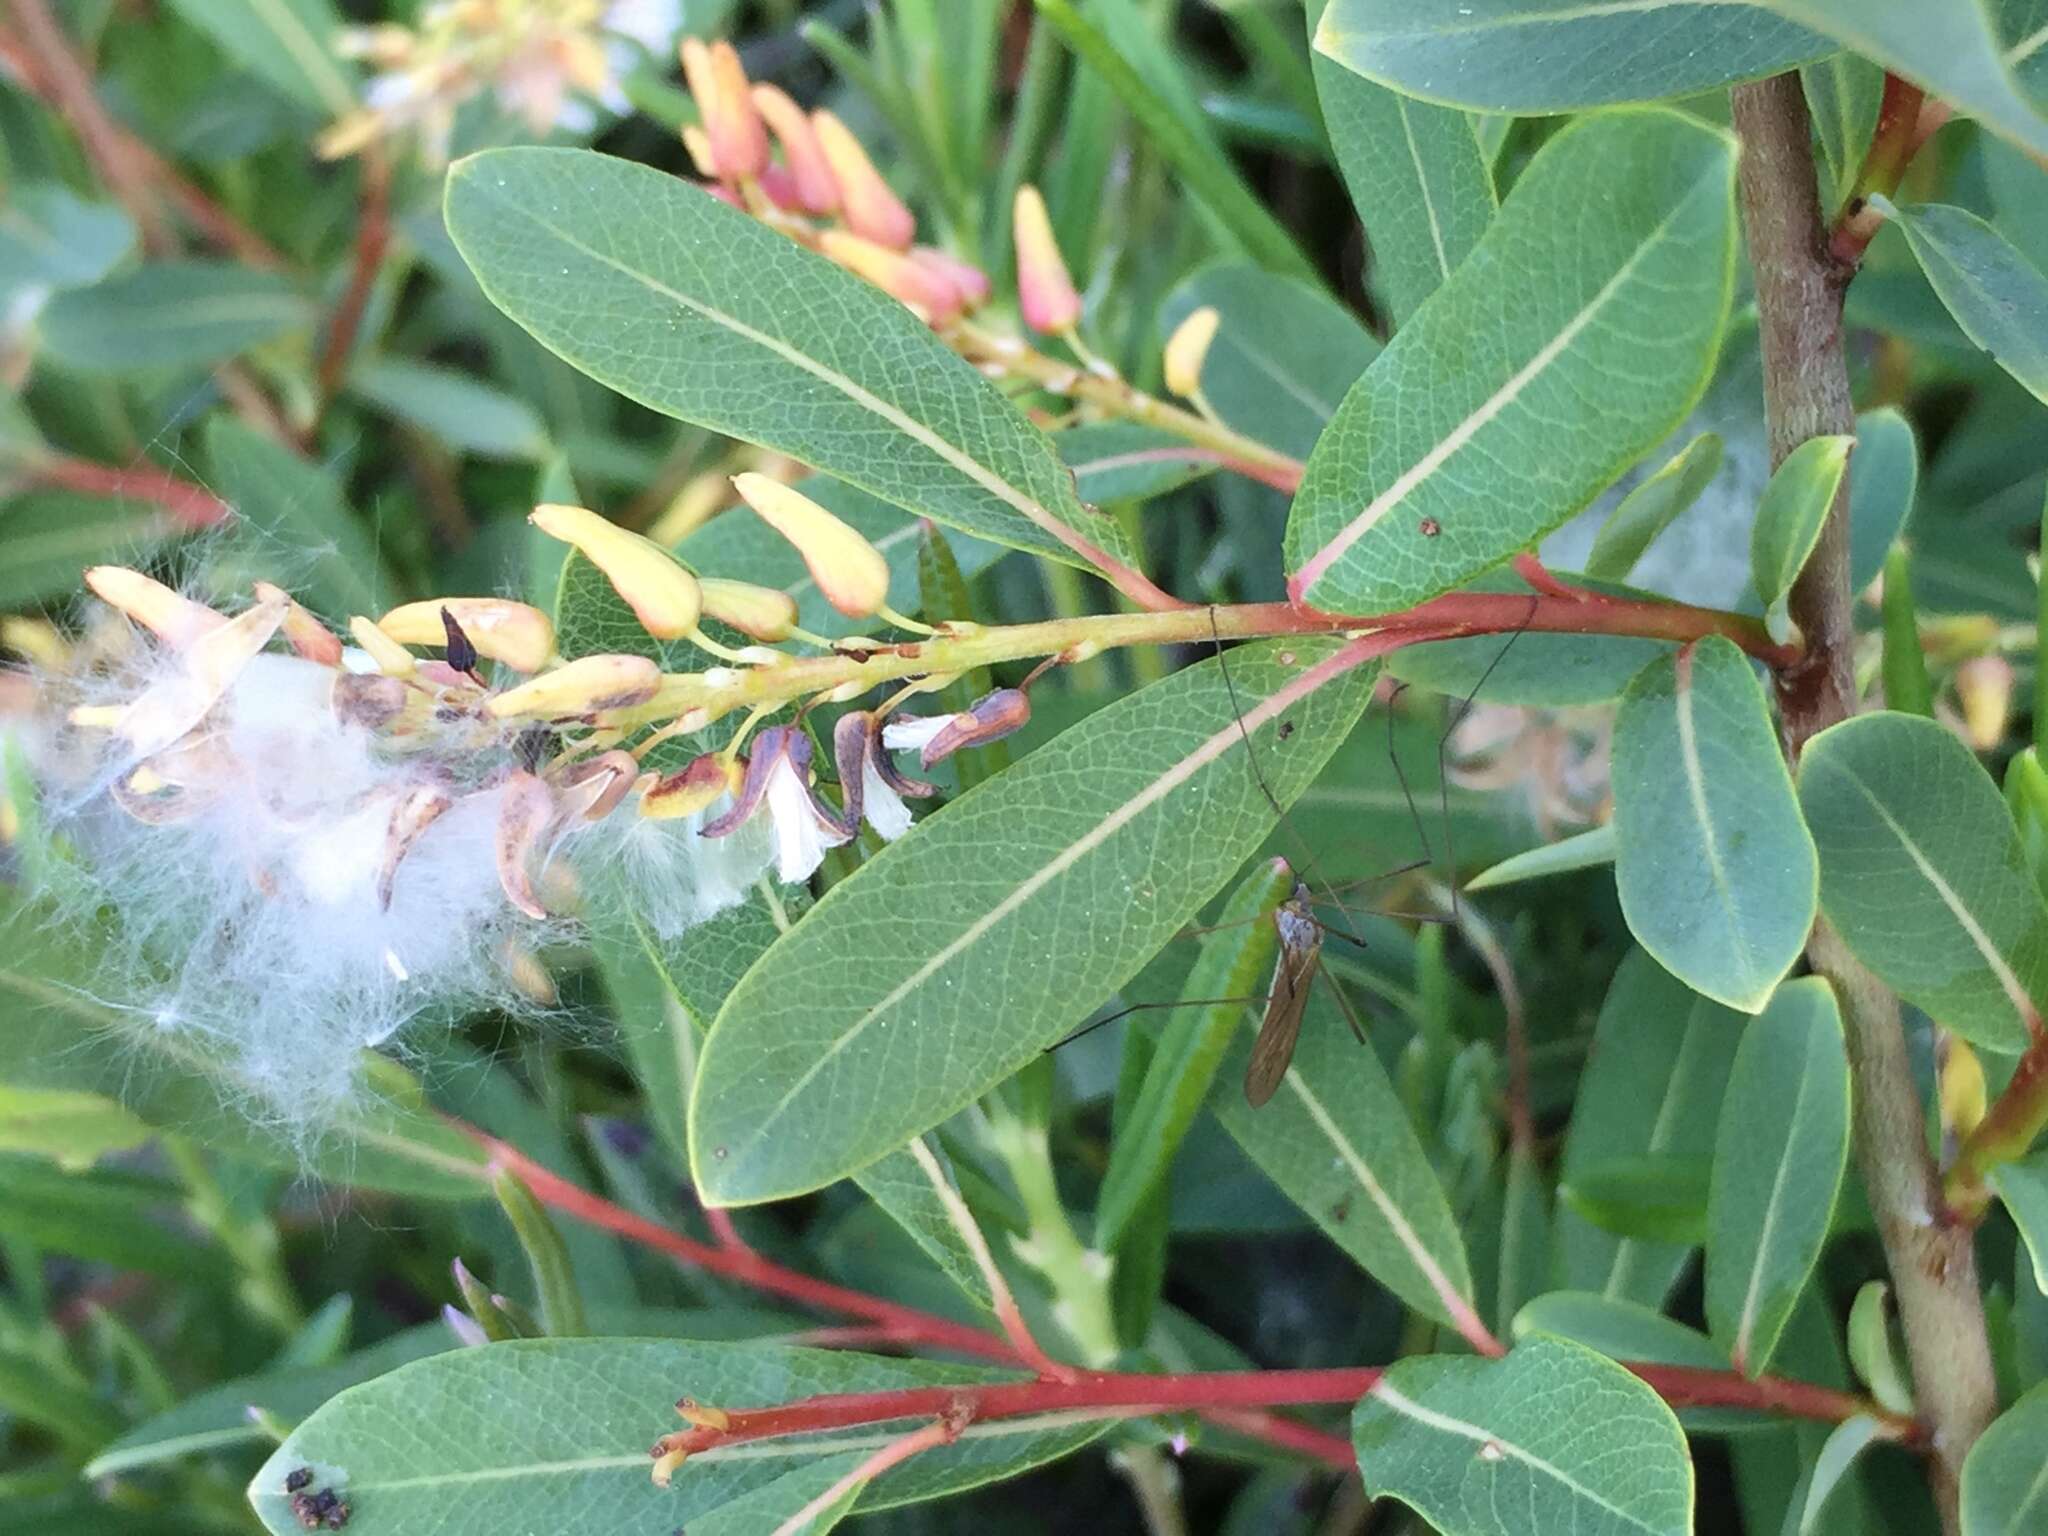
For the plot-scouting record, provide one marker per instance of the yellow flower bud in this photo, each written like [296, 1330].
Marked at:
[585, 686]
[662, 595]
[1984, 686]
[392, 659]
[174, 619]
[701, 783]
[871, 209]
[718, 83]
[847, 568]
[698, 144]
[1962, 1087]
[933, 298]
[761, 612]
[37, 639]
[817, 190]
[519, 636]
[1045, 293]
[1187, 347]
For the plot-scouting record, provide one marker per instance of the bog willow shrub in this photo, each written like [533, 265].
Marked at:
[862, 779]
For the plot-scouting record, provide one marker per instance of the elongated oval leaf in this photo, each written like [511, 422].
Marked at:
[1648, 509]
[1235, 962]
[1714, 866]
[692, 308]
[1283, 356]
[1998, 297]
[1123, 461]
[2005, 1492]
[1631, 1332]
[172, 314]
[1653, 1087]
[1582, 850]
[1778, 1164]
[1551, 1438]
[1843, 94]
[289, 44]
[1880, 491]
[1531, 56]
[1653, 1197]
[50, 237]
[2022, 1187]
[552, 1435]
[1788, 519]
[1417, 176]
[1336, 1140]
[1580, 329]
[907, 1186]
[1921, 871]
[962, 951]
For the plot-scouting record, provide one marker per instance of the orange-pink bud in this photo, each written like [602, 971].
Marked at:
[718, 82]
[869, 206]
[849, 571]
[929, 293]
[175, 619]
[810, 173]
[1045, 291]
[968, 280]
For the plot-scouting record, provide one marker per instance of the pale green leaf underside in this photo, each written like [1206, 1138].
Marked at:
[1715, 868]
[1537, 56]
[1582, 850]
[905, 1185]
[1551, 1438]
[1649, 509]
[1574, 336]
[1337, 1141]
[960, 952]
[2023, 1188]
[552, 1435]
[690, 307]
[2005, 1478]
[1997, 296]
[1922, 873]
[1778, 1163]
[1788, 519]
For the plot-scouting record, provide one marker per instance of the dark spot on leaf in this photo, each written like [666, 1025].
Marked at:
[297, 1478]
[325, 1510]
[1431, 527]
[1286, 730]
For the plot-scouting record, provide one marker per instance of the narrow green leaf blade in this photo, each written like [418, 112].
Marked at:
[1582, 850]
[1653, 1198]
[1536, 56]
[1998, 297]
[1714, 866]
[1578, 332]
[1336, 1140]
[170, 314]
[1648, 509]
[1551, 1438]
[906, 1185]
[50, 237]
[1778, 1165]
[563, 1445]
[1788, 519]
[468, 415]
[1881, 490]
[288, 44]
[963, 950]
[2023, 1188]
[293, 525]
[1922, 873]
[52, 536]
[72, 1129]
[692, 308]
[1283, 356]
[1843, 94]
[2005, 1484]
[1417, 176]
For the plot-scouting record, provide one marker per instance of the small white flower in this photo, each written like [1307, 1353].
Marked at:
[868, 782]
[778, 781]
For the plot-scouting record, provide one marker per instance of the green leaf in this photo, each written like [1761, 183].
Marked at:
[1117, 43]
[170, 314]
[52, 238]
[1576, 335]
[554, 1279]
[108, 1216]
[1657, 1198]
[2005, 1490]
[52, 536]
[1843, 94]
[1778, 1164]
[1417, 176]
[1788, 521]
[1714, 866]
[293, 525]
[1582, 850]
[552, 1435]
[1649, 509]
[1551, 1438]
[1998, 297]
[694, 309]
[1845, 1442]
[1339, 1145]
[1234, 964]
[1887, 458]
[1535, 56]
[288, 44]
[1950, 50]
[1117, 461]
[1620, 1330]
[2023, 1187]
[1283, 356]
[74, 1130]
[962, 951]
[466, 414]
[906, 1184]
[1874, 1351]
[1922, 873]
[1653, 1087]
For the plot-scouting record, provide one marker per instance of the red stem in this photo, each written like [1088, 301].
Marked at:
[192, 506]
[373, 238]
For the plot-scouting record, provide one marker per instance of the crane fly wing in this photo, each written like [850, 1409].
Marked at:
[1301, 943]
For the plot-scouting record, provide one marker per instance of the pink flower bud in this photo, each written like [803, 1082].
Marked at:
[718, 82]
[174, 619]
[810, 173]
[927, 292]
[1045, 293]
[870, 208]
[968, 280]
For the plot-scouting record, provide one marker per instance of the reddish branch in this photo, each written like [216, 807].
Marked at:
[373, 237]
[191, 506]
[1906, 120]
